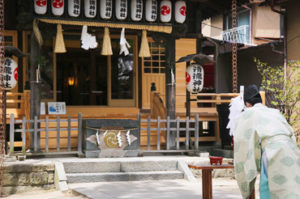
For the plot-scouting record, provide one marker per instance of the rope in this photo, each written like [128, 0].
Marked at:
[165, 29]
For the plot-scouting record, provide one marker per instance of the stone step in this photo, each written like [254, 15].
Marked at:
[123, 176]
[118, 166]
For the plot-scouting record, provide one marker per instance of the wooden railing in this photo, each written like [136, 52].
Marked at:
[18, 104]
[49, 136]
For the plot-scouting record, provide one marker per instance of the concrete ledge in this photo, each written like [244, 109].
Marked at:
[60, 179]
[188, 175]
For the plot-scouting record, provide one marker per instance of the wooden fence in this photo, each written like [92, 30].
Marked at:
[36, 127]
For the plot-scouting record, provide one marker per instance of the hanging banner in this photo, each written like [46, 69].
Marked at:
[90, 8]
[57, 7]
[165, 11]
[136, 10]
[10, 77]
[40, 7]
[121, 9]
[106, 9]
[151, 10]
[194, 78]
[74, 8]
[180, 11]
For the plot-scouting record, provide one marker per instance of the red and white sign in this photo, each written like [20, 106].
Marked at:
[180, 11]
[57, 7]
[151, 10]
[10, 77]
[165, 11]
[90, 8]
[40, 6]
[194, 78]
[74, 8]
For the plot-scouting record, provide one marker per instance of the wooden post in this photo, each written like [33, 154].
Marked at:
[24, 135]
[188, 98]
[79, 135]
[158, 133]
[148, 133]
[196, 132]
[26, 107]
[11, 134]
[58, 133]
[69, 133]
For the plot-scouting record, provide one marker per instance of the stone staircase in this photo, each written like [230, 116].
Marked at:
[125, 170]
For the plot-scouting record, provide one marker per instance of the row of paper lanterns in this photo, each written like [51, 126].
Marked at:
[90, 9]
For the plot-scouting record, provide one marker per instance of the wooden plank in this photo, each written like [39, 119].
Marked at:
[11, 134]
[58, 133]
[187, 131]
[46, 134]
[177, 132]
[69, 133]
[158, 133]
[168, 132]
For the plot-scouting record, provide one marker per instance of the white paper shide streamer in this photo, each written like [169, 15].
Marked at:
[97, 137]
[87, 40]
[124, 45]
[119, 139]
[128, 137]
[236, 108]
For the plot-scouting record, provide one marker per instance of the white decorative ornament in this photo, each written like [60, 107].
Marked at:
[136, 10]
[10, 77]
[97, 137]
[87, 40]
[151, 10]
[58, 7]
[128, 137]
[121, 9]
[165, 11]
[106, 9]
[194, 78]
[180, 11]
[124, 45]
[40, 7]
[74, 8]
[90, 8]
[119, 139]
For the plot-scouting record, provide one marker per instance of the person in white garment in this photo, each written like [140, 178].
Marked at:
[264, 142]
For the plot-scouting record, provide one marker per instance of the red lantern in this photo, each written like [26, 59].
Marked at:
[57, 7]
[165, 11]
[40, 6]
[180, 11]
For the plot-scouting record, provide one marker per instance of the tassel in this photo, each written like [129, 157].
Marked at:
[144, 50]
[106, 47]
[37, 32]
[59, 43]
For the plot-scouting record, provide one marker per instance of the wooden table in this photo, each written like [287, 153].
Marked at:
[207, 178]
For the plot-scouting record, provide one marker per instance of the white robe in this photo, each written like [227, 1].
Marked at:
[265, 128]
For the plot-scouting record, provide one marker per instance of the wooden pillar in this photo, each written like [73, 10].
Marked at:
[35, 98]
[170, 84]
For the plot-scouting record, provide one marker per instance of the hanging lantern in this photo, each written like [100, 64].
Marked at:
[165, 11]
[90, 8]
[74, 8]
[136, 10]
[106, 9]
[40, 7]
[194, 78]
[10, 77]
[151, 10]
[58, 7]
[121, 9]
[180, 11]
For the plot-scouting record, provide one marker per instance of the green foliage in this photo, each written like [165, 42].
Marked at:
[280, 93]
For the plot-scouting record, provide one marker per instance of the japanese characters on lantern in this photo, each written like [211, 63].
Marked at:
[121, 9]
[194, 78]
[74, 8]
[57, 7]
[151, 10]
[136, 10]
[40, 6]
[90, 8]
[10, 77]
[106, 9]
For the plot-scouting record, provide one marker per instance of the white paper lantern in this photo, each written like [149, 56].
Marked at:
[90, 8]
[74, 8]
[165, 11]
[58, 7]
[151, 10]
[194, 78]
[106, 9]
[180, 11]
[40, 7]
[10, 78]
[136, 10]
[121, 9]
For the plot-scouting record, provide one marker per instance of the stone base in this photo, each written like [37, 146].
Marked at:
[8, 190]
[111, 153]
